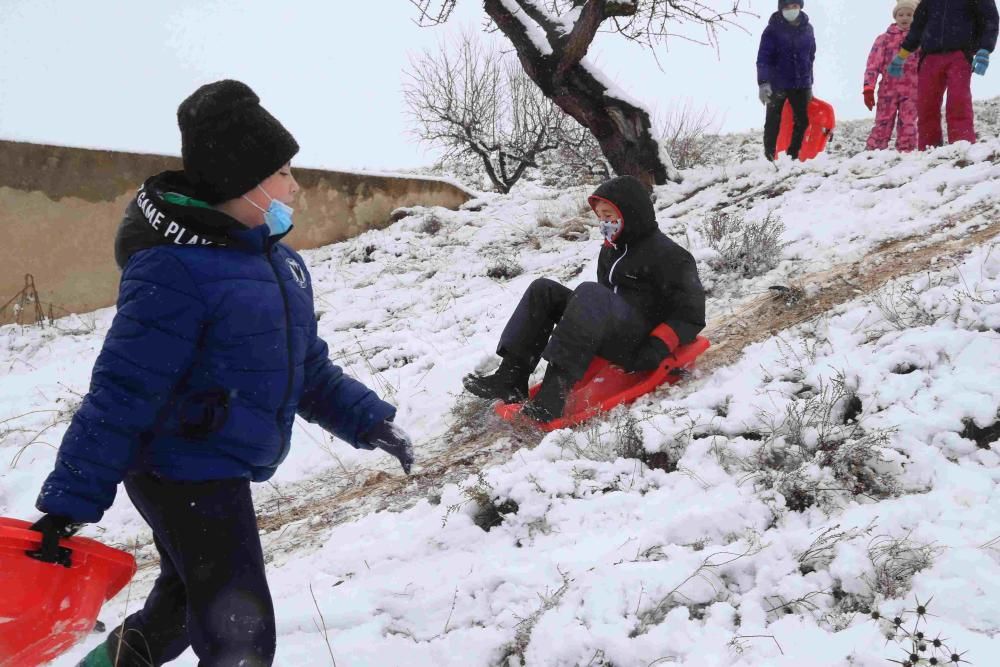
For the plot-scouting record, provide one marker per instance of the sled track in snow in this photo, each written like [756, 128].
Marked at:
[297, 515]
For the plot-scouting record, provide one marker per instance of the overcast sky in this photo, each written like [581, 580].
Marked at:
[110, 74]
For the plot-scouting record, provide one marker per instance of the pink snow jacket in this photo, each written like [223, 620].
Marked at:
[886, 47]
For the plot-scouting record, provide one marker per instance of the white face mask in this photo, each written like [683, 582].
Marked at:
[790, 14]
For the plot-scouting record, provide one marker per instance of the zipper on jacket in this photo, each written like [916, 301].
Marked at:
[291, 365]
[611, 273]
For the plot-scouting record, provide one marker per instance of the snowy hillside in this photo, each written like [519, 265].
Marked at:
[836, 452]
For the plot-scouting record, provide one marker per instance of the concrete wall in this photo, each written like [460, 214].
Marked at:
[60, 208]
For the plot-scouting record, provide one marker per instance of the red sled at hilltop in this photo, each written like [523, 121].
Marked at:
[605, 386]
[822, 122]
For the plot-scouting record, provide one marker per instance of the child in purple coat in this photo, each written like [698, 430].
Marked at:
[785, 72]
[897, 97]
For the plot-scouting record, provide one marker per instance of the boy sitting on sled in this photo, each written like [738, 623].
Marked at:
[643, 280]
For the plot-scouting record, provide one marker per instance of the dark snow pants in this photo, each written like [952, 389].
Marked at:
[799, 99]
[569, 327]
[211, 594]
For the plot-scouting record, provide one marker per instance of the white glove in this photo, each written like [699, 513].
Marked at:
[764, 93]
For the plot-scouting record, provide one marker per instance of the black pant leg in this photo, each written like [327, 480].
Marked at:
[529, 327]
[772, 122]
[595, 322]
[799, 100]
[209, 533]
[157, 633]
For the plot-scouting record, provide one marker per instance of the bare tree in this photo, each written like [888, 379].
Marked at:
[479, 104]
[578, 159]
[552, 37]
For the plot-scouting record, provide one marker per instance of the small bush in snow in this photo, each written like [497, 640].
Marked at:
[490, 509]
[503, 266]
[513, 653]
[431, 225]
[628, 436]
[894, 563]
[689, 136]
[902, 306]
[744, 248]
[818, 448]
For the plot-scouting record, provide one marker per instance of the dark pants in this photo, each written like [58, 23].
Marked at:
[590, 320]
[211, 594]
[799, 99]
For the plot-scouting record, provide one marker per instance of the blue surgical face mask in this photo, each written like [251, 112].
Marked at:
[790, 14]
[610, 229]
[278, 216]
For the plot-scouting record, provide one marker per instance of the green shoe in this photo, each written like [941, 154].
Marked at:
[97, 658]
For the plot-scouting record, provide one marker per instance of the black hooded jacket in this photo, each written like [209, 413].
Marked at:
[647, 269]
[163, 212]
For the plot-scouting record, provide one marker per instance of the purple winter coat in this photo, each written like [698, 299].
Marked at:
[786, 54]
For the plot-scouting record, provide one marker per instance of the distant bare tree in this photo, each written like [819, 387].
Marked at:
[688, 135]
[552, 37]
[579, 156]
[478, 104]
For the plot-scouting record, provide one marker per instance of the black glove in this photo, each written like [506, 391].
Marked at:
[650, 355]
[54, 527]
[390, 438]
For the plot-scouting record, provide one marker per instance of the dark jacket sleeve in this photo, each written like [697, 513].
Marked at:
[152, 343]
[916, 34]
[337, 402]
[765, 56]
[989, 24]
[812, 48]
[681, 287]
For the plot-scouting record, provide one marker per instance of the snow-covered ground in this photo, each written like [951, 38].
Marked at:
[831, 468]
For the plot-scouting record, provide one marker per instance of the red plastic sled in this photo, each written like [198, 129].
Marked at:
[605, 386]
[822, 121]
[45, 608]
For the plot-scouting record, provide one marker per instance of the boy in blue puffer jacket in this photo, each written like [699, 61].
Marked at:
[785, 72]
[213, 351]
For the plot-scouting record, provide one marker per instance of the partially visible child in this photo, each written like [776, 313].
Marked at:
[956, 38]
[897, 98]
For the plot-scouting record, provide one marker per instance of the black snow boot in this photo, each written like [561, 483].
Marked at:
[509, 383]
[550, 401]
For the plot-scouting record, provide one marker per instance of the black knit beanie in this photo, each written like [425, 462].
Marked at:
[784, 3]
[229, 142]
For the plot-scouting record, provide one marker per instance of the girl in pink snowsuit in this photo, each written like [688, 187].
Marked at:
[897, 98]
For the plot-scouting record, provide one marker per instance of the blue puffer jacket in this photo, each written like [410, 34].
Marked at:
[212, 352]
[786, 54]
[941, 26]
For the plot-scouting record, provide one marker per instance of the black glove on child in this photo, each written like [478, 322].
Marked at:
[391, 439]
[650, 355]
[53, 528]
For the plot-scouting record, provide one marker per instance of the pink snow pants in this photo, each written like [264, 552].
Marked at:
[894, 111]
[940, 72]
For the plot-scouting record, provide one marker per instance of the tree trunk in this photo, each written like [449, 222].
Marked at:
[622, 129]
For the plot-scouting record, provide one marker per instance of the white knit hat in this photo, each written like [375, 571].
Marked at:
[905, 4]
